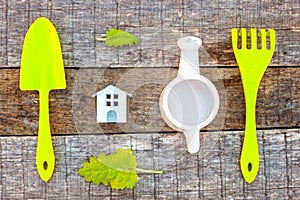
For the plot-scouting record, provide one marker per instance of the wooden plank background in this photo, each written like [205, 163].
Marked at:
[144, 70]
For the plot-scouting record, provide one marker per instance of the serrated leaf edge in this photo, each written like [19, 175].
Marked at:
[133, 38]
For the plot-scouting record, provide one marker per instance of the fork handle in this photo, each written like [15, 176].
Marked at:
[249, 160]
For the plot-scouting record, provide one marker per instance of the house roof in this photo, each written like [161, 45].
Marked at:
[111, 89]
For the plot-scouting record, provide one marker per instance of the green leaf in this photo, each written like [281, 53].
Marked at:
[118, 38]
[118, 169]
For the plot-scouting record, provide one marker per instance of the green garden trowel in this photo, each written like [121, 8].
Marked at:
[42, 69]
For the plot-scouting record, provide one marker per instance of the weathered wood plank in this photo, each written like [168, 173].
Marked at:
[144, 70]
[213, 173]
[158, 24]
[74, 110]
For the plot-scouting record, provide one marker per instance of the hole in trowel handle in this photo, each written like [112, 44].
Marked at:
[45, 165]
[249, 166]
[192, 140]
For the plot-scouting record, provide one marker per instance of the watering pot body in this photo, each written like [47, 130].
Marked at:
[190, 101]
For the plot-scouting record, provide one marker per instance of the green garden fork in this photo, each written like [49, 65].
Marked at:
[253, 63]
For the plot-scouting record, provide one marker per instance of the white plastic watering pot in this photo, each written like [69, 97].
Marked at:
[190, 101]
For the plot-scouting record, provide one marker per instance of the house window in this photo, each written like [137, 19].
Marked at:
[115, 98]
[112, 100]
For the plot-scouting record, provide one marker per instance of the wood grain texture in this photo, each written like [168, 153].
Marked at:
[143, 70]
[74, 109]
[213, 173]
[158, 24]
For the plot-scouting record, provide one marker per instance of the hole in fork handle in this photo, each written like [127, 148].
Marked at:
[45, 165]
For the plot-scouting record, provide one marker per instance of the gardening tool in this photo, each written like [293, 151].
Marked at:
[253, 63]
[42, 69]
[190, 101]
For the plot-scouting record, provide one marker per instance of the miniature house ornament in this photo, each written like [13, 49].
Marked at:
[111, 105]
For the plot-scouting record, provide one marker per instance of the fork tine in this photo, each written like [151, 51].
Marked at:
[262, 35]
[234, 38]
[243, 34]
[271, 34]
[253, 36]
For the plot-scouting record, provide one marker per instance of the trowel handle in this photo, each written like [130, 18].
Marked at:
[45, 159]
[193, 140]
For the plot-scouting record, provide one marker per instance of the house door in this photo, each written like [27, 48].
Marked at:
[111, 116]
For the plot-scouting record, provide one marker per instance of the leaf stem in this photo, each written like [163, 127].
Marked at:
[146, 171]
[101, 39]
